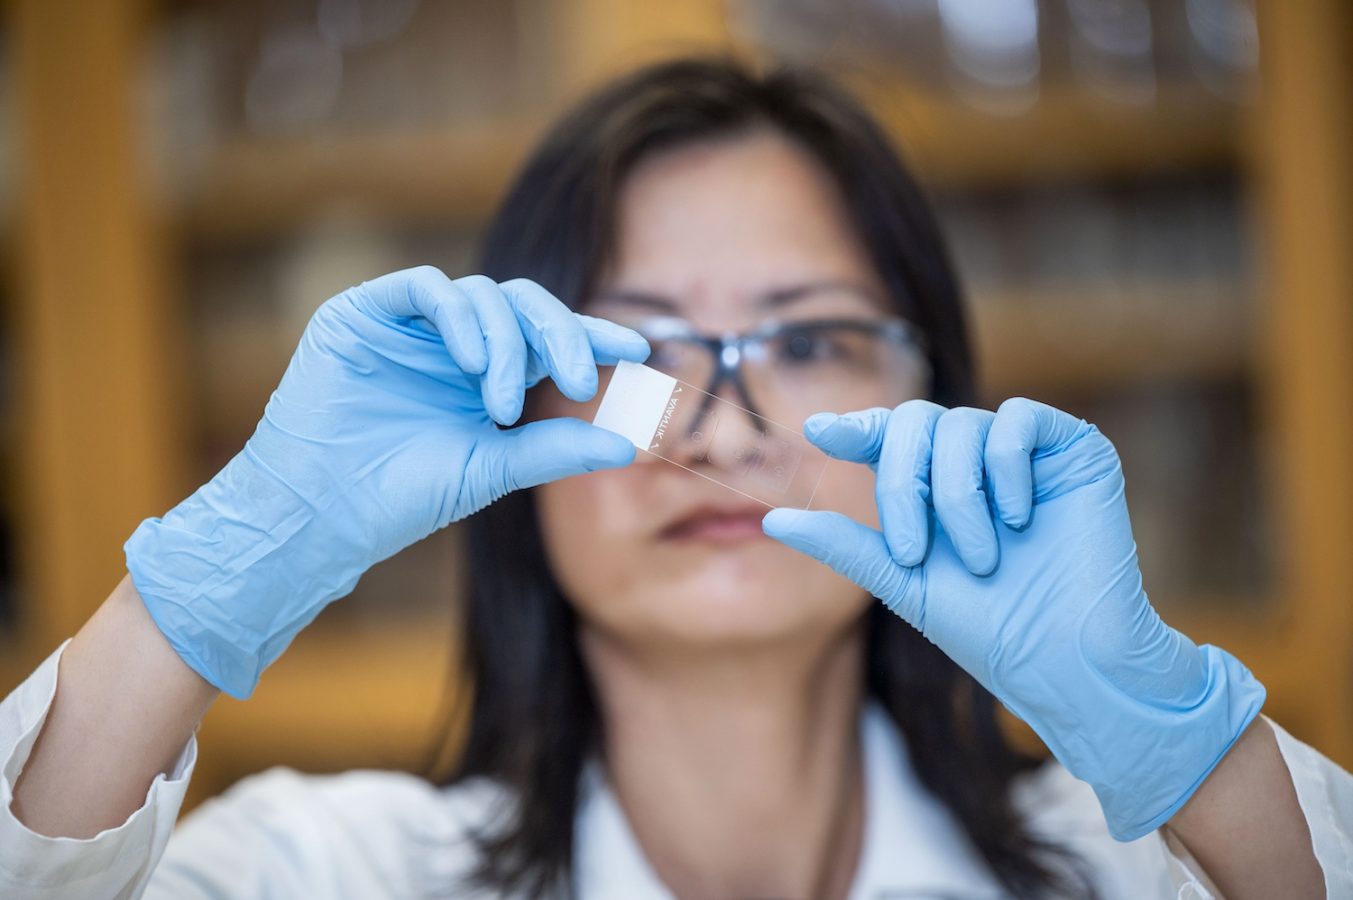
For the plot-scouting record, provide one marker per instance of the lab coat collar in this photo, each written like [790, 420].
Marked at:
[912, 845]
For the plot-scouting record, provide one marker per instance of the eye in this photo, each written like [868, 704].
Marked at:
[804, 347]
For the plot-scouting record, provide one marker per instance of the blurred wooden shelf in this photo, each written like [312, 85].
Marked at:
[1083, 338]
[257, 187]
[251, 187]
[1068, 134]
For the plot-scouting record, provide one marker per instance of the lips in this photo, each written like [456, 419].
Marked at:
[716, 524]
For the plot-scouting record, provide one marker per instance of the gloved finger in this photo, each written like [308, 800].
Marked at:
[554, 334]
[504, 383]
[426, 292]
[853, 550]
[1022, 427]
[537, 452]
[956, 483]
[612, 343]
[902, 489]
[854, 436]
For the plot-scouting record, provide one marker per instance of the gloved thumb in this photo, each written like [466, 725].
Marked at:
[536, 453]
[853, 550]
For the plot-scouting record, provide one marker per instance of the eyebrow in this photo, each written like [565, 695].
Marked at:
[775, 298]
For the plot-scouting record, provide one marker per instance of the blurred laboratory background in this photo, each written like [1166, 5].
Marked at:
[1150, 203]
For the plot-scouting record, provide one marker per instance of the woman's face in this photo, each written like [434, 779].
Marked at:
[725, 235]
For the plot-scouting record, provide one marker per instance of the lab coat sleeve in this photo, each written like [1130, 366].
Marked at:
[1325, 792]
[116, 862]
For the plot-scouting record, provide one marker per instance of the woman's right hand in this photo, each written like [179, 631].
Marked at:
[383, 430]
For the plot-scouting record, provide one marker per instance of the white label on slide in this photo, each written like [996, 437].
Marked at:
[635, 403]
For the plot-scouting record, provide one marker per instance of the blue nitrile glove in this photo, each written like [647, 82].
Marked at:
[381, 432]
[1031, 584]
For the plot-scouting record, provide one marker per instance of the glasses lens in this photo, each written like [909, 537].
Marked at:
[834, 366]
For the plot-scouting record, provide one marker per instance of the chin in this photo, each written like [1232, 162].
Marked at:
[738, 599]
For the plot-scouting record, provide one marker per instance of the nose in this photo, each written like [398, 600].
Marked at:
[712, 430]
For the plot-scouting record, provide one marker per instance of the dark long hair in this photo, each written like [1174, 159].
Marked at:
[534, 720]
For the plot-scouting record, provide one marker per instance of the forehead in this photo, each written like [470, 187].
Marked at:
[717, 224]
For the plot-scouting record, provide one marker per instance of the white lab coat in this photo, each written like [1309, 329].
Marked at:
[370, 834]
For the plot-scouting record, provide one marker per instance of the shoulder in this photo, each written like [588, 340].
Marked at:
[359, 833]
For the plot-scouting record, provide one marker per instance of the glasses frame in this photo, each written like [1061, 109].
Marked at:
[730, 348]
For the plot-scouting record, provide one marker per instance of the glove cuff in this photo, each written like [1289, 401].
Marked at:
[1175, 749]
[226, 579]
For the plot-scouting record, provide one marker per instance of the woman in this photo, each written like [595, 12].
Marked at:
[672, 694]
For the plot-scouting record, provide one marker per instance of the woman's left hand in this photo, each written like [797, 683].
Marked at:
[1006, 541]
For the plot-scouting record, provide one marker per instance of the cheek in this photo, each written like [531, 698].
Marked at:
[848, 488]
[589, 527]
